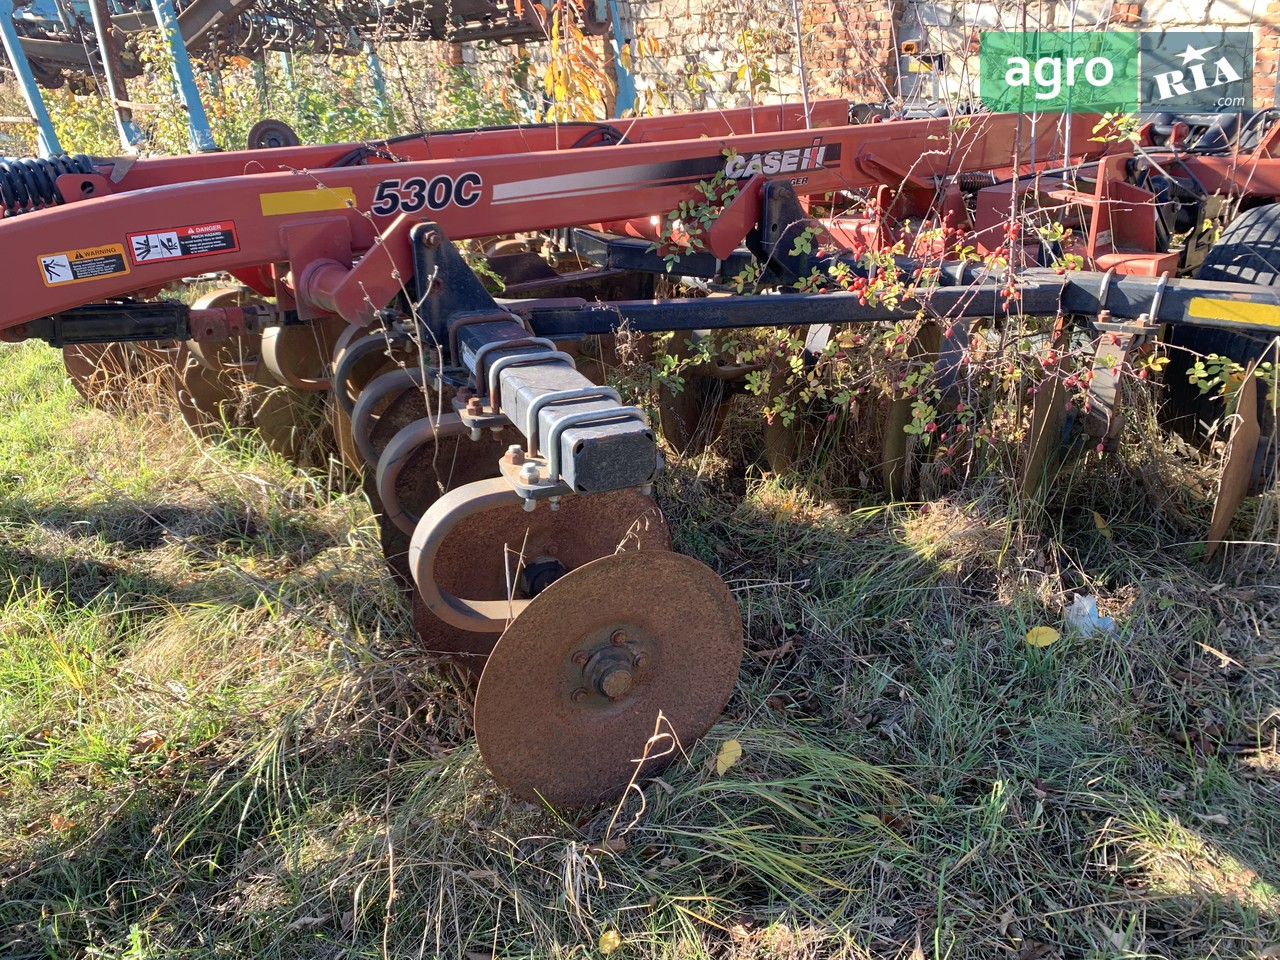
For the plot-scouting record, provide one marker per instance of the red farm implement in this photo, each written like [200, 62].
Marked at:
[482, 425]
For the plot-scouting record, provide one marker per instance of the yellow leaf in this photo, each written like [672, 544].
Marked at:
[610, 940]
[1100, 522]
[730, 753]
[1042, 636]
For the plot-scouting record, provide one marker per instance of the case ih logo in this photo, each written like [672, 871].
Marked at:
[793, 160]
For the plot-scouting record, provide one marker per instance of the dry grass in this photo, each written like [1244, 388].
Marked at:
[218, 739]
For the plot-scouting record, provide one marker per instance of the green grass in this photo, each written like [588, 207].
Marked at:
[217, 738]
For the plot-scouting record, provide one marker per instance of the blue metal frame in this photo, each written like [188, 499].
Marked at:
[626, 99]
[375, 73]
[197, 122]
[48, 140]
[131, 137]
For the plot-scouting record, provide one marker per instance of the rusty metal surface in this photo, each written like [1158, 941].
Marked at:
[238, 355]
[432, 471]
[544, 722]
[300, 355]
[435, 467]
[340, 418]
[292, 424]
[475, 558]
[207, 398]
[398, 392]
[467, 648]
[401, 409]
[489, 547]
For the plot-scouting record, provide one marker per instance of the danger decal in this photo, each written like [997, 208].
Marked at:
[87, 263]
[183, 243]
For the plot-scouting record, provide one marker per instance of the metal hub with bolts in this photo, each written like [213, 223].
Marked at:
[612, 669]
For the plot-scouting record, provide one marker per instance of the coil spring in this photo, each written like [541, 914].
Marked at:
[974, 181]
[31, 183]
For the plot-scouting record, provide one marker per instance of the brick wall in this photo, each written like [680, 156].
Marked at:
[1266, 80]
[694, 52]
[850, 47]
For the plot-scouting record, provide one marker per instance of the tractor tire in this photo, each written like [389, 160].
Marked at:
[1247, 252]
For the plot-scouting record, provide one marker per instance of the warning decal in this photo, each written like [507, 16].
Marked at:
[75, 266]
[183, 243]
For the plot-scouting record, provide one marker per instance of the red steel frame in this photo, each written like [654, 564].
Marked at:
[333, 239]
[322, 222]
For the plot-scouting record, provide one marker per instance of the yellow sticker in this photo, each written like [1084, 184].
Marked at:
[307, 201]
[87, 263]
[1237, 311]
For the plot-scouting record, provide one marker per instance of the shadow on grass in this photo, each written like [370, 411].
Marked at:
[1030, 816]
[153, 551]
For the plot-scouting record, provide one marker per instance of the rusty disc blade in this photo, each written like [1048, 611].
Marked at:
[484, 554]
[237, 356]
[401, 410]
[207, 399]
[434, 470]
[610, 654]
[340, 420]
[292, 423]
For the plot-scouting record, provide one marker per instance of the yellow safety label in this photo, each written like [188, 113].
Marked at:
[1237, 311]
[307, 201]
[87, 263]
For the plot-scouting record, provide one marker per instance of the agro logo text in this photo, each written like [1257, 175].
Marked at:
[1048, 74]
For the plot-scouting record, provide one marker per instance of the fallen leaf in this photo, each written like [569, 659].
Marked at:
[58, 822]
[1006, 919]
[148, 741]
[1042, 636]
[1104, 528]
[779, 651]
[612, 845]
[609, 941]
[730, 753]
[305, 923]
[1219, 818]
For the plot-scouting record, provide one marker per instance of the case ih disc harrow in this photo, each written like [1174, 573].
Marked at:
[513, 486]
